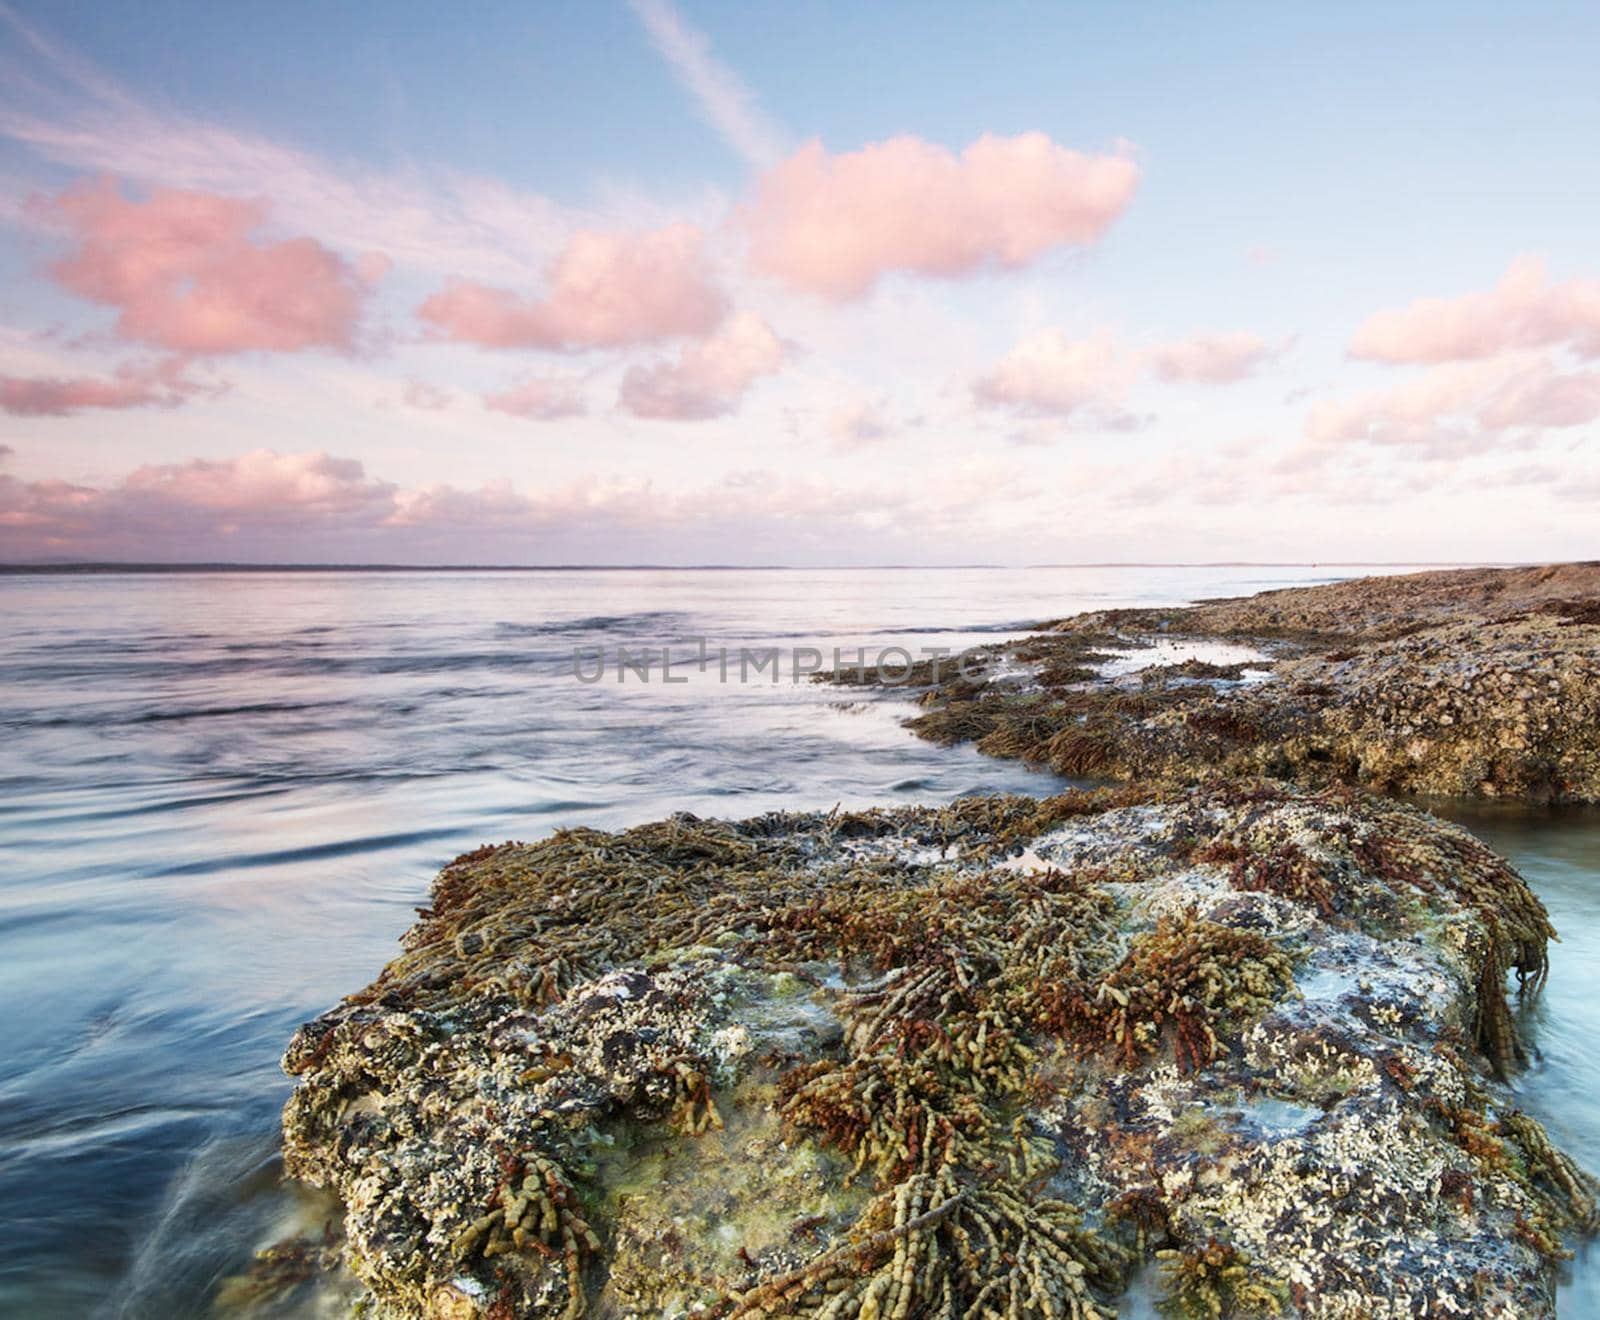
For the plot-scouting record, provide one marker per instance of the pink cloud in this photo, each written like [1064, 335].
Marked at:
[834, 224]
[162, 386]
[605, 290]
[1420, 412]
[198, 509]
[310, 507]
[541, 398]
[56, 396]
[1524, 310]
[315, 507]
[263, 485]
[184, 272]
[1466, 407]
[496, 505]
[1048, 374]
[1539, 398]
[1253, 472]
[1212, 359]
[708, 379]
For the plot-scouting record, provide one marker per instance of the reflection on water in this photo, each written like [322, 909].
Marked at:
[221, 796]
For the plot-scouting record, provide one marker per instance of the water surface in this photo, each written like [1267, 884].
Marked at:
[1558, 852]
[222, 795]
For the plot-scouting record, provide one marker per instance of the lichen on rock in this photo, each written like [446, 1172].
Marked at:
[975, 1060]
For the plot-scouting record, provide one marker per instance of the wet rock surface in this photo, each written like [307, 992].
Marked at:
[982, 1060]
[1471, 683]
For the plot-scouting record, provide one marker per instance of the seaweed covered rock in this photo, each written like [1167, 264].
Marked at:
[1372, 609]
[1476, 683]
[981, 1060]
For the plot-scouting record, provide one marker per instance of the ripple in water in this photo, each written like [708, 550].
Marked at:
[224, 795]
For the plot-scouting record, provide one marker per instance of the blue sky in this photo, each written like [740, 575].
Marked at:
[1300, 171]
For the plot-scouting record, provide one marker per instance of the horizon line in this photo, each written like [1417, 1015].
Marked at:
[228, 566]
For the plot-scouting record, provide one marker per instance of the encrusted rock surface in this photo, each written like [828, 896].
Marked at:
[1383, 608]
[1471, 683]
[980, 1060]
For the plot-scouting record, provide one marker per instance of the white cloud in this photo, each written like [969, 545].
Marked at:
[726, 103]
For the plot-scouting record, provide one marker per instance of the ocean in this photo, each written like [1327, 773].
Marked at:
[224, 793]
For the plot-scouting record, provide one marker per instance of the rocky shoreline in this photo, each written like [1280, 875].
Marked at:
[984, 1059]
[1471, 683]
[1244, 1038]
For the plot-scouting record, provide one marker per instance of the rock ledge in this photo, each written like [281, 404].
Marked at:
[982, 1060]
[1473, 683]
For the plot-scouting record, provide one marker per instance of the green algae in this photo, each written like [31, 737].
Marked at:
[1214, 1281]
[689, 1213]
[1183, 981]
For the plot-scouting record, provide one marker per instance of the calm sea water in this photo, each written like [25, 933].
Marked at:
[223, 795]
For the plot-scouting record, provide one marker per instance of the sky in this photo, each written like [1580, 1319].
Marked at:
[675, 282]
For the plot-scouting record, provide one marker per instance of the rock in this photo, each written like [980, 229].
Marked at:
[984, 1059]
[1433, 686]
[1376, 609]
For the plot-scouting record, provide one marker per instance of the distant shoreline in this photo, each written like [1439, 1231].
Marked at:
[21, 570]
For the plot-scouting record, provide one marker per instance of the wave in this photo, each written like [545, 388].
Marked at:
[316, 852]
[99, 718]
[592, 623]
